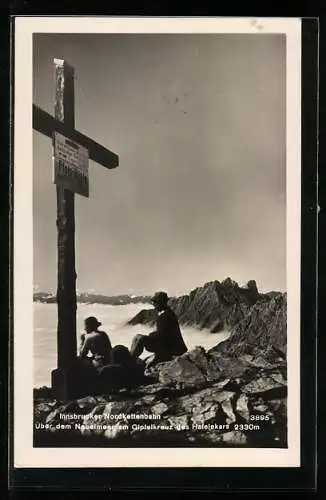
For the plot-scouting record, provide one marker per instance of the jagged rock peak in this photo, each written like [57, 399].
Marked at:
[229, 282]
[215, 305]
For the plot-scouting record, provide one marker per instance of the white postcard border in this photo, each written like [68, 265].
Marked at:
[24, 453]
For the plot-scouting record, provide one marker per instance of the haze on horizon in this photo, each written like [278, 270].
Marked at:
[199, 124]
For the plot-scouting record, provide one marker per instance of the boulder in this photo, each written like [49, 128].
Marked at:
[185, 370]
[144, 317]
[160, 408]
[179, 421]
[235, 438]
[260, 385]
[228, 410]
[181, 371]
[204, 414]
[242, 407]
[87, 402]
[198, 367]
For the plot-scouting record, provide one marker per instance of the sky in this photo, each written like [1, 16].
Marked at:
[198, 122]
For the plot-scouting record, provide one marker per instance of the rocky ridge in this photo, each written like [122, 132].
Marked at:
[216, 306]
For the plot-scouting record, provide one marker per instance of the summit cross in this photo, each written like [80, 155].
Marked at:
[73, 177]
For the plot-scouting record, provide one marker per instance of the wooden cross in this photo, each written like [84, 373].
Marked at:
[63, 122]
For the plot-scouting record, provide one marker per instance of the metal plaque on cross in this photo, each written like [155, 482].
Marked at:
[70, 162]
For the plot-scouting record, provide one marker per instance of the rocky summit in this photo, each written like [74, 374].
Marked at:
[216, 306]
[232, 395]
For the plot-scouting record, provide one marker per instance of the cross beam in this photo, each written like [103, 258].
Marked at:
[46, 124]
[64, 377]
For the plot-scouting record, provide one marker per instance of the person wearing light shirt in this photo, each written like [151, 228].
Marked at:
[95, 342]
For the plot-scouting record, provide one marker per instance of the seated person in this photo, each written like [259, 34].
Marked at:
[96, 342]
[122, 371]
[166, 341]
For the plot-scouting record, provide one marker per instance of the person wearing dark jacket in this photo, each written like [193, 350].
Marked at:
[166, 341]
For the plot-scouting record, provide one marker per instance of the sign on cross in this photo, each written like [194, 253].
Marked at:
[61, 128]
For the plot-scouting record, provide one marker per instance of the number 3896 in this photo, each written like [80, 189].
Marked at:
[259, 417]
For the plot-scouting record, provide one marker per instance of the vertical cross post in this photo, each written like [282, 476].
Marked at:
[63, 378]
[66, 383]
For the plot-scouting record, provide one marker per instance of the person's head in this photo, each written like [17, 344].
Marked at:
[91, 324]
[120, 355]
[160, 300]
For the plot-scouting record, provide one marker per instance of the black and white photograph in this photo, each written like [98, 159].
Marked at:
[164, 199]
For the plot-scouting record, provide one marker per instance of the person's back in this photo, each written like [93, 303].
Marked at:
[99, 345]
[169, 334]
[95, 341]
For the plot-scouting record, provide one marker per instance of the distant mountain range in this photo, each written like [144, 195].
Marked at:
[94, 298]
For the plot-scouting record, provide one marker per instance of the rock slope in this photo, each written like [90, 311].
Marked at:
[199, 398]
[263, 330]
